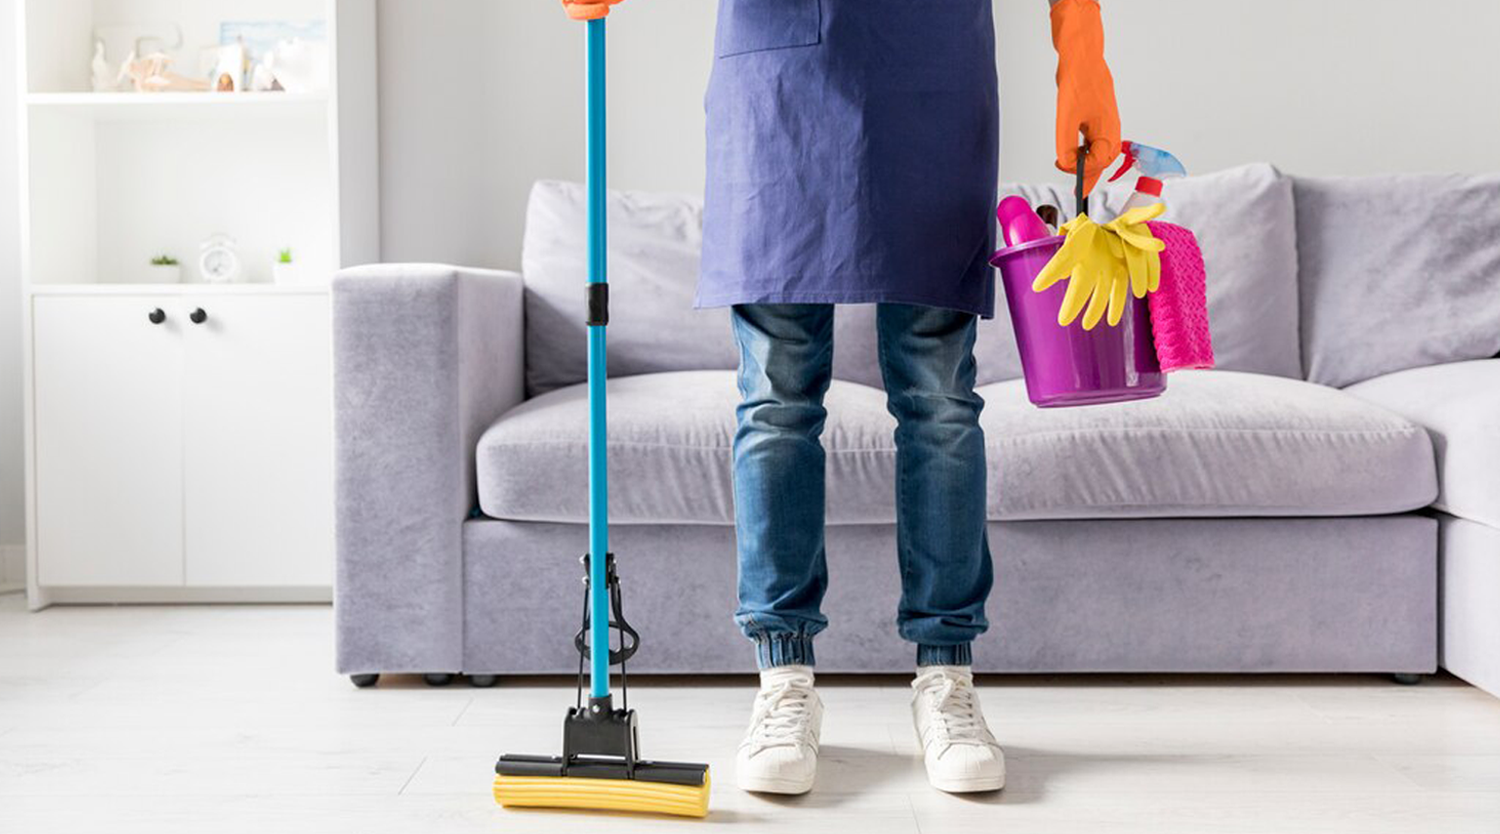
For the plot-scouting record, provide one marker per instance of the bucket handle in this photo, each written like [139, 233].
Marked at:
[1083, 202]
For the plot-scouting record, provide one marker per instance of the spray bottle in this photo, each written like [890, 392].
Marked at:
[1155, 165]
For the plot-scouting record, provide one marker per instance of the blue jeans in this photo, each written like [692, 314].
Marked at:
[786, 366]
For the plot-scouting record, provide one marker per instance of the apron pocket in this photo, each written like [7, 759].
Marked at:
[761, 25]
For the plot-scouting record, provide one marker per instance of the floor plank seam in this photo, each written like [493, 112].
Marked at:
[407, 783]
[461, 713]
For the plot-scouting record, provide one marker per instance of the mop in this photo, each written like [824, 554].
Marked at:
[599, 768]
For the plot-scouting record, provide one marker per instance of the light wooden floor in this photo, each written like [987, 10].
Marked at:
[228, 719]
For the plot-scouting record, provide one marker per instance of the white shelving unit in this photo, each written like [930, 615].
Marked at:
[179, 459]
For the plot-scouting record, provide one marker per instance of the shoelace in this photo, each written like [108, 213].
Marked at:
[781, 716]
[953, 708]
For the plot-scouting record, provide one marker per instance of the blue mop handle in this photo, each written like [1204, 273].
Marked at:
[598, 274]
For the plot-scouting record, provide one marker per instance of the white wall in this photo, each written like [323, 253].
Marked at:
[1318, 87]
[481, 97]
[12, 494]
[478, 99]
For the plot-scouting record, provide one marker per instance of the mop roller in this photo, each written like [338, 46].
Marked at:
[600, 768]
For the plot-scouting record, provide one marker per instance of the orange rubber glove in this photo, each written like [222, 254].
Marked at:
[588, 9]
[1085, 90]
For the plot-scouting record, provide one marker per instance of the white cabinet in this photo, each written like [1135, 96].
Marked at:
[108, 441]
[183, 440]
[258, 441]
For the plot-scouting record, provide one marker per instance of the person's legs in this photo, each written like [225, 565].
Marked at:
[927, 358]
[786, 365]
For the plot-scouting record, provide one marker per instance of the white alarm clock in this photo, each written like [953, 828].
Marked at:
[219, 260]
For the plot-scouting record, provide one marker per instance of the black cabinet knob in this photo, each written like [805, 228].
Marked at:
[157, 316]
[198, 316]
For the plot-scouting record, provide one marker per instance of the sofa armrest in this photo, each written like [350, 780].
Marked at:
[425, 358]
[1459, 405]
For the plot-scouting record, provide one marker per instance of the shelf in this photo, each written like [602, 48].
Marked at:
[178, 289]
[188, 288]
[155, 106]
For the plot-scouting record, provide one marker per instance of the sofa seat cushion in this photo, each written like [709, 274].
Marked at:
[1459, 405]
[671, 437]
[1218, 444]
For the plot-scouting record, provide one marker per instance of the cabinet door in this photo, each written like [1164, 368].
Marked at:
[108, 417]
[258, 429]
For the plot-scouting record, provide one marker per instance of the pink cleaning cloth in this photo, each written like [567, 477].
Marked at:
[1179, 309]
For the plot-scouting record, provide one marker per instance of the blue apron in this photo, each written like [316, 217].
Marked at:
[852, 154]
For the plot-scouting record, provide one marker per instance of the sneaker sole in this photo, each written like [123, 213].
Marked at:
[785, 787]
[984, 785]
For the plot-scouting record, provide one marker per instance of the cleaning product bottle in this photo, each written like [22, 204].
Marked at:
[1019, 223]
[1147, 193]
[1155, 165]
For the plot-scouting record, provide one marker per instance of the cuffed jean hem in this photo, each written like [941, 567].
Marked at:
[784, 650]
[960, 655]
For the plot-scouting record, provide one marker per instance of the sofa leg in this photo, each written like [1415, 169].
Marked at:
[364, 681]
[438, 678]
[483, 681]
[1407, 678]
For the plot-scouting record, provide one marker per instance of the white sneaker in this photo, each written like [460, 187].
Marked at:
[962, 755]
[780, 750]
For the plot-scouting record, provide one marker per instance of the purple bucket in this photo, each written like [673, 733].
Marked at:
[1070, 366]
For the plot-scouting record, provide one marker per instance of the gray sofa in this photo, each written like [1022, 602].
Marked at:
[1327, 501]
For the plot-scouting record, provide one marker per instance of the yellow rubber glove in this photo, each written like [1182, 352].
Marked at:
[1103, 265]
[1142, 250]
[588, 9]
[1086, 262]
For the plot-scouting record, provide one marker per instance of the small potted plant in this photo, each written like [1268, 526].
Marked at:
[165, 270]
[285, 271]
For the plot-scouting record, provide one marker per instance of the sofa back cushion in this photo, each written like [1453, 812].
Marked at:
[1244, 217]
[654, 242]
[1397, 272]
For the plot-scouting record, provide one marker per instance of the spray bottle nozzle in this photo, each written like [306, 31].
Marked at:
[1127, 160]
[1153, 162]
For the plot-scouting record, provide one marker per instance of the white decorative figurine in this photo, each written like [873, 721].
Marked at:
[229, 74]
[105, 79]
[262, 81]
[300, 66]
